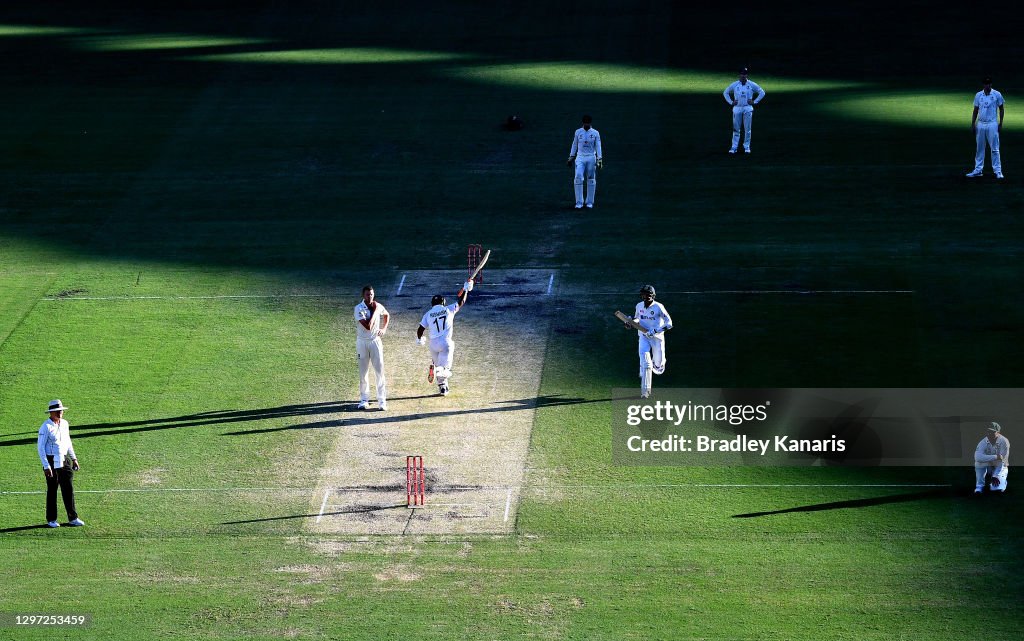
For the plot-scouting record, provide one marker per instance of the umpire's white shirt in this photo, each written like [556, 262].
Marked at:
[55, 441]
[743, 94]
[988, 106]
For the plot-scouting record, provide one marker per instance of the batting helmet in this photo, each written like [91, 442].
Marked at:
[437, 300]
[647, 289]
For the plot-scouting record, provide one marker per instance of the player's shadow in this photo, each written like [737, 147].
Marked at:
[22, 528]
[222, 417]
[857, 503]
[372, 417]
[200, 419]
[358, 509]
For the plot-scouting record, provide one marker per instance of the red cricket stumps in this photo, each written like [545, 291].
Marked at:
[415, 481]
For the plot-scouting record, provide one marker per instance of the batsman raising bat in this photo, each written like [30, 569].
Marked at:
[651, 321]
[439, 323]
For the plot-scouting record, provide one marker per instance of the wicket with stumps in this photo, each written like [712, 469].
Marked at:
[415, 481]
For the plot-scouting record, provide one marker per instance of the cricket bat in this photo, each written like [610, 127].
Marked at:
[480, 265]
[629, 321]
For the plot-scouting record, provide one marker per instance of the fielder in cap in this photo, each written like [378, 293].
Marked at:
[586, 153]
[655, 319]
[742, 95]
[439, 324]
[987, 124]
[992, 460]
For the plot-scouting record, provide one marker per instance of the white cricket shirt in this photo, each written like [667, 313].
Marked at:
[988, 106]
[654, 317]
[440, 320]
[362, 312]
[743, 93]
[586, 143]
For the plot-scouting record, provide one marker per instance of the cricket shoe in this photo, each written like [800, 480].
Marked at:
[732, 151]
[76, 523]
[383, 406]
[746, 151]
[645, 394]
[974, 174]
[430, 373]
[999, 175]
[578, 206]
[363, 405]
[52, 524]
[443, 390]
[590, 205]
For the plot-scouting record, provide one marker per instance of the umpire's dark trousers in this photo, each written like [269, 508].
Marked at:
[62, 477]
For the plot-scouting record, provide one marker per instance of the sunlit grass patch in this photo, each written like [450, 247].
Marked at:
[353, 55]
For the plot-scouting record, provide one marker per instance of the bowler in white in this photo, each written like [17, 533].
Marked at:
[742, 95]
[987, 124]
[371, 324]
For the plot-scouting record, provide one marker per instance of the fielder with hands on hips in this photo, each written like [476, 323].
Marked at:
[992, 460]
[586, 153]
[59, 464]
[742, 95]
[987, 124]
[654, 317]
[439, 323]
[371, 324]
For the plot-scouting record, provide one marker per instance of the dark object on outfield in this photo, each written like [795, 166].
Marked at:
[513, 123]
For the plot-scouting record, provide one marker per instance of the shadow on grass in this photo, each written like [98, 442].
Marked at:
[22, 528]
[219, 417]
[855, 503]
[359, 509]
[380, 418]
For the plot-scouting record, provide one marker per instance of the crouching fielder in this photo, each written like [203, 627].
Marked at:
[439, 323]
[992, 461]
[654, 317]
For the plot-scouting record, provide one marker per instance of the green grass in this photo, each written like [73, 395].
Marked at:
[151, 165]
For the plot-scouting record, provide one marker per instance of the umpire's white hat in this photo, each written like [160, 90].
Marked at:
[56, 406]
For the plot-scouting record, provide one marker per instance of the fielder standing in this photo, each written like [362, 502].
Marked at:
[742, 95]
[439, 323]
[654, 317]
[992, 459]
[987, 124]
[371, 324]
[586, 153]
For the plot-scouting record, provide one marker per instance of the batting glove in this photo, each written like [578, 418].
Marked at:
[600, 163]
[571, 158]
[651, 333]
[421, 341]
[468, 286]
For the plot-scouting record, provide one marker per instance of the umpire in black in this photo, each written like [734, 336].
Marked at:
[59, 464]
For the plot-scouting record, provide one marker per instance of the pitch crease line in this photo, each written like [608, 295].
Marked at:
[508, 504]
[323, 505]
[551, 283]
[400, 286]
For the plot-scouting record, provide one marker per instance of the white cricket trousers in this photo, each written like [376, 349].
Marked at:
[652, 359]
[998, 470]
[371, 352]
[741, 117]
[442, 353]
[987, 134]
[586, 167]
